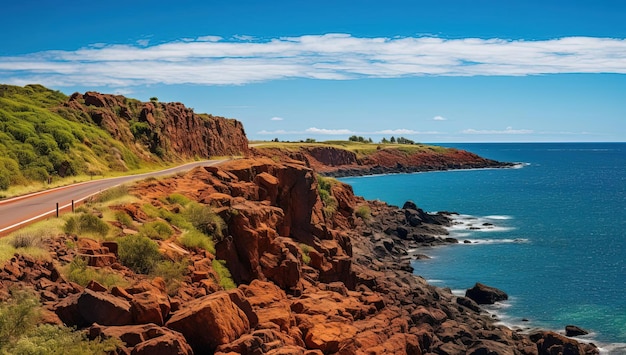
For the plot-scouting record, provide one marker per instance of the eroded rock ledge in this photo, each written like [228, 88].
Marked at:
[315, 276]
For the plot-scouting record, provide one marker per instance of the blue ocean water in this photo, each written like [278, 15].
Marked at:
[559, 243]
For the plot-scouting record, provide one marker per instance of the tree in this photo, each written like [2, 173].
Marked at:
[384, 140]
[392, 139]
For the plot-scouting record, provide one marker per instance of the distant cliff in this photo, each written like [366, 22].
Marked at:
[370, 159]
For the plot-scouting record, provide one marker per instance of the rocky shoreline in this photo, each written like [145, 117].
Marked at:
[319, 271]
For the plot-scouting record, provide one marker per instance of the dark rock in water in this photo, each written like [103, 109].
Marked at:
[410, 205]
[525, 320]
[467, 241]
[483, 294]
[573, 331]
[553, 343]
[451, 240]
[421, 257]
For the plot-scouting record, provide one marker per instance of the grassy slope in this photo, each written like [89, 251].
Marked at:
[361, 149]
[39, 140]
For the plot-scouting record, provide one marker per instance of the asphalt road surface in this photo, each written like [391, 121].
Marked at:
[20, 211]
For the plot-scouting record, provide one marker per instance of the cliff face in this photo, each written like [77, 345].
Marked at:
[337, 162]
[169, 130]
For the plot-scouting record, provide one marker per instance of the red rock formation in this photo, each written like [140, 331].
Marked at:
[170, 131]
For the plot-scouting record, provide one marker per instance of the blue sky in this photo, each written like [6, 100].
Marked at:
[431, 71]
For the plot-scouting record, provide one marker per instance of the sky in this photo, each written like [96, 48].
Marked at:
[431, 71]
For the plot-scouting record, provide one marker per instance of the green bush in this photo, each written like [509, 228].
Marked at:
[205, 220]
[139, 253]
[179, 199]
[173, 272]
[194, 239]
[17, 316]
[363, 212]
[225, 278]
[306, 249]
[124, 219]
[156, 230]
[79, 272]
[86, 223]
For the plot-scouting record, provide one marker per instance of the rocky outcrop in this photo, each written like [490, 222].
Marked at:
[483, 294]
[167, 131]
[337, 162]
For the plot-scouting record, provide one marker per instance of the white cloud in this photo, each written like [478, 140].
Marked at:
[276, 119]
[508, 130]
[439, 118]
[325, 131]
[212, 60]
[280, 131]
[397, 131]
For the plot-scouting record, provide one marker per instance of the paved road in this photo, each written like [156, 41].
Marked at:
[17, 212]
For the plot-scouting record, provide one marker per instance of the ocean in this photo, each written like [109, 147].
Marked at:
[552, 232]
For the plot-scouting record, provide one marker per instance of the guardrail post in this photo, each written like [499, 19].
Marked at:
[57, 210]
[72, 206]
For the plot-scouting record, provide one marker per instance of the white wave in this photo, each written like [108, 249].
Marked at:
[434, 281]
[498, 217]
[497, 241]
[459, 293]
[613, 349]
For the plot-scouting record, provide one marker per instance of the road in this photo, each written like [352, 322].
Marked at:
[20, 211]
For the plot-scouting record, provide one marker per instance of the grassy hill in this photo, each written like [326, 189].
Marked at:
[46, 136]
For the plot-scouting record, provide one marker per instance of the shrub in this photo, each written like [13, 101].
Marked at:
[17, 316]
[86, 223]
[194, 239]
[79, 272]
[306, 249]
[179, 199]
[225, 278]
[205, 220]
[156, 230]
[172, 272]
[123, 218]
[363, 212]
[139, 253]
[26, 240]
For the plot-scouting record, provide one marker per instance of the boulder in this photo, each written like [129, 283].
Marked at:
[145, 339]
[210, 321]
[552, 343]
[94, 307]
[574, 331]
[329, 337]
[483, 294]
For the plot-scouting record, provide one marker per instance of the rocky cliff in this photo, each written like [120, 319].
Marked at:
[169, 130]
[334, 161]
[319, 271]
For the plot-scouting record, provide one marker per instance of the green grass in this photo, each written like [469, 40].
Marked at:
[21, 332]
[139, 253]
[79, 272]
[29, 240]
[172, 273]
[86, 224]
[306, 249]
[194, 239]
[225, 278]
[364, 212]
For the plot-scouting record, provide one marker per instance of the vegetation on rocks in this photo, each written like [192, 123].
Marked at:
[22, 333]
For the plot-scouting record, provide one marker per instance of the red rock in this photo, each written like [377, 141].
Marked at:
[146, 308]
[210, 321]
[329, 337]
[549, 343]
[104, 308]
[147, 339]
[96, 286]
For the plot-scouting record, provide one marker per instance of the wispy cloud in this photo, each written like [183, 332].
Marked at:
[439, 118]
[332, 132]
[276, 119]
[508, 130]
[212, 60]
